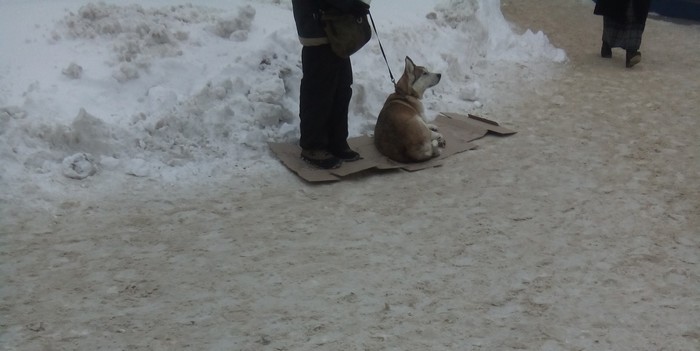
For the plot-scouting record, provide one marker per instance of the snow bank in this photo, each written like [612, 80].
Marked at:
[180, 91]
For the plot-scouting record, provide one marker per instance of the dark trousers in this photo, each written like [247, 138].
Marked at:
[625, 34]
[325, 97]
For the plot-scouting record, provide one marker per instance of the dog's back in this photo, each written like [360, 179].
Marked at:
[401, 132]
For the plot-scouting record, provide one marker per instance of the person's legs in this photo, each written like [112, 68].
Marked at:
[316, 104]
[338, 128]
[633, 36]
[626, 35]
[605, 50]
[316, 96]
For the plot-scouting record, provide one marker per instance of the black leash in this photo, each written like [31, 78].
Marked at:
[382, 48]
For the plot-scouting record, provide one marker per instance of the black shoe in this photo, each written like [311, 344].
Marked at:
[321, 159]
[633, 58]
[606, 50]
[347, 155]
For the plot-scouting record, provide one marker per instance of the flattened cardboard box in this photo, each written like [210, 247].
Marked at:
[459, 132]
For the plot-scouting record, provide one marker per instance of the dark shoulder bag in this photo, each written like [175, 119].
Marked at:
[346, 32]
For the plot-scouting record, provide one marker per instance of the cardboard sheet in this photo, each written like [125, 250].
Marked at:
[459, 131]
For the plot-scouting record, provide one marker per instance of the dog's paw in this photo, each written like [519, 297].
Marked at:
[441, 142]
[432, 127]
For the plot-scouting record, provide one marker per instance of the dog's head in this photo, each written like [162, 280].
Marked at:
[416, 80]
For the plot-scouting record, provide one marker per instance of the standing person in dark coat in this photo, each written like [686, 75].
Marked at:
[325, 86]
[623, 25]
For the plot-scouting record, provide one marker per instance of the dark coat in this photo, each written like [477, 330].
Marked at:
[617, 9]
[308, 19]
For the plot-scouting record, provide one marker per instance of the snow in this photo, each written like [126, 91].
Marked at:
[177, 92]
[141, 208]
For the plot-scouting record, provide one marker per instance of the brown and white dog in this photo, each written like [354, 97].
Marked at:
[402, 132]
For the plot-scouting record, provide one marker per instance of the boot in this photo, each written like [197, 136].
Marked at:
[633, 58]
[606, 50]
[344, 152]
[321, 159]
[347, 155]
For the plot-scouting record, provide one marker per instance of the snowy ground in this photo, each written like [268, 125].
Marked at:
[578, 233]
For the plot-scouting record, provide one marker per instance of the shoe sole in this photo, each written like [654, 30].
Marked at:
[634, 60]
[343, 156]
[350, 159]
[319, 163]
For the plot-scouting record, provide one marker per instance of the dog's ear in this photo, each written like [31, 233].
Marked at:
[410, 66]
[403, 87]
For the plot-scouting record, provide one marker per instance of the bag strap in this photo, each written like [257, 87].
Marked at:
[393, 81]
